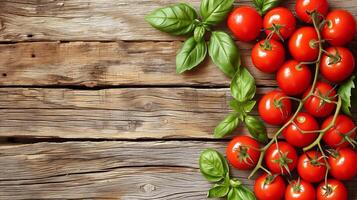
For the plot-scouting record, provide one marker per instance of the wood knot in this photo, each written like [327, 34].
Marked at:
[148, 106]
[148, 188]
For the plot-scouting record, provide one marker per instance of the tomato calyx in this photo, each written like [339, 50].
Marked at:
[243, 155]
[283, 161]
[296, 185]
[315, 161]
[275, 29]
[328, 189]
[333, 153]
[335, 58]
[347, 137]
[269, 179]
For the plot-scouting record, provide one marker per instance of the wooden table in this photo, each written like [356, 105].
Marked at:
[91, 106]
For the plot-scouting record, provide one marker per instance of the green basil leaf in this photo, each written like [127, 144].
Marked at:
[263, 6]
[245, 107]
[212, 166]
[199, 33]
[345, 92]
[215, 11]
[256, 128]
[243, 86]
[218, 191]
[245, 193]
[224, 52]
[233, 194]
[227, 126]
[191, 55]
[178, 19]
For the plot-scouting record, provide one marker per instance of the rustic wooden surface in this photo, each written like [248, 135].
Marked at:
[91, 106]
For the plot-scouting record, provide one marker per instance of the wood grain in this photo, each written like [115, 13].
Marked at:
[29, 20]
[128, 113]
[109, 170]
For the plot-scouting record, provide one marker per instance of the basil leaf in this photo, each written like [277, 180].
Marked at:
[245, 107]
[233, 194]
[224, 52]
[212, 166]
[263, 6]
[191, 54]
[256, 128]
[199, 33]
[178, 19]
[245, 193]
[228, 125]
[215, 11]
[243, 86]
[345, 92]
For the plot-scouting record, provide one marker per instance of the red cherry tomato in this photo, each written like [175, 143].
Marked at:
[334, 190]
[273, 109]
[242, 152]
[267, 187]
[316, 106]
[279, 17]
[245, 23]
[338, 65]
[343, 126]
[303, 45]
[340, 29]
[280, 157]
[302, 8]
[292, 78]
[311, 167]
[300, 190]
[268, 56]
[304, 122]
[343, 163]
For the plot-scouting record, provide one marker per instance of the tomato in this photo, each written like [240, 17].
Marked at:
[311, 166]
[245, 23]
[292, 78]
[273, 109]
[343, 126]
[340, 29]
[266, 187]
[338, 65]
[343, 163]
[334, 190]
[280, 17]
[300, 190]
[242, 152]
[303, 45]
[315, 105]
[302, 8]
[268, 56]
[304, 122]
[281, 158]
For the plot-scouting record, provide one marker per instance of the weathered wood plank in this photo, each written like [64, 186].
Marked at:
[23, 20]
[114, 113]
[109, 170]
[114, 63]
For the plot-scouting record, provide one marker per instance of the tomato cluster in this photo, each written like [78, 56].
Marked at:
[317, 45]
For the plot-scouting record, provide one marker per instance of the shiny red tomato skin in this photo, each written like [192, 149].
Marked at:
[293, 79]
[304, 6]
[271, 191]
[268, 60]
[339, 191]
[337, 72]
[245, 23]
[273, 154]
[272, 114]
[343, 166]
[343, 125]
[308, 171]
[341, 29]
[301, 44]
[306, 192]
[305, 122]
[312, 105]
[280, 16]
[233, 150]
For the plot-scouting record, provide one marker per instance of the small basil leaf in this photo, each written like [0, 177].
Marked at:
[245, 193]
[199, 33]
[256, 128]
[243, 86]
[233, 194]
[224, 52]
[245, 107]
[227, 126]
[218, 191]
[215, 11]
[264, 6]
[178, 19]
[212, 166]
[191, 55]
[345, 92]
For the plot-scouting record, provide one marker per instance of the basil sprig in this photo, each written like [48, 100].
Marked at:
[182, 19]
[263, 6]
[214, 168]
